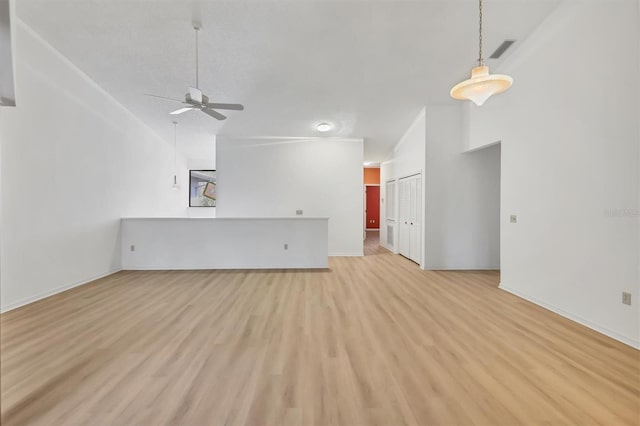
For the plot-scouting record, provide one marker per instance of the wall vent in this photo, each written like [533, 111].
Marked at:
[501, 49]
[390, 235]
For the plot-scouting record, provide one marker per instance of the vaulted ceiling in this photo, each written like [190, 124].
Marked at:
[367, 67]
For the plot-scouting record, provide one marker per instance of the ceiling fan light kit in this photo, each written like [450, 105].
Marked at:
[482, 85]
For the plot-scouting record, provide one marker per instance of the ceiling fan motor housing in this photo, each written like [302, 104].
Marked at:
[189, 99]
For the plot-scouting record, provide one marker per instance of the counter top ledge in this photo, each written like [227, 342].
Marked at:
[227, 218]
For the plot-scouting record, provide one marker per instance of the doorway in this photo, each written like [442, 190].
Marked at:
[372, 210]
[371, 213]
[410, 213]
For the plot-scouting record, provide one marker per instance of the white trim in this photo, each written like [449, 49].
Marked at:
[464, 268]
[52, 292]
[371, 184]
[85, 77]
[242, 141]
[410, 175]
[231, 268]
[251, 218]
[479, 148]
[573, 317]
[372, 229]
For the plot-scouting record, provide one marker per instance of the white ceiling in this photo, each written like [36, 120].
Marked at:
[368, 67]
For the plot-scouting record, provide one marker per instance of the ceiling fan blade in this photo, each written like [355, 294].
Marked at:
[180, 111]
[214, 114]
[164, 97]
[234, 107]
[196, 94]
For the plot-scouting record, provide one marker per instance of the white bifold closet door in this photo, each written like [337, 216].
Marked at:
[410, 212]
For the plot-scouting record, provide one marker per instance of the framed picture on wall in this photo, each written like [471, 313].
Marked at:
[202, 188]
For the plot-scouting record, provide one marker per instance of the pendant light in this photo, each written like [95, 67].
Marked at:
[482, 85]
[175, 185]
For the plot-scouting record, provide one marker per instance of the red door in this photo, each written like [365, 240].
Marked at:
[373, 207]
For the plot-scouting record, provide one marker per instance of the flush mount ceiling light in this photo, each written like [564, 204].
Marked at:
[482, 85]
[323, 127]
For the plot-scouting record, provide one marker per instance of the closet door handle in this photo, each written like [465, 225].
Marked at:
[412, 223]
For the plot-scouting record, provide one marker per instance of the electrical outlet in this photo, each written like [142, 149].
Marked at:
[299, 212]
[286, 246]
[133, 248]
[514, 218]
[626, 298]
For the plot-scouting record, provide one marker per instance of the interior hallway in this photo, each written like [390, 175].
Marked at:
[372, 244]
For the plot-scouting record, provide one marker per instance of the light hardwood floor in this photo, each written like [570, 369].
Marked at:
[372, 341]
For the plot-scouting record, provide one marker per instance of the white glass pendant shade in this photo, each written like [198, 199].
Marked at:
[481, 86]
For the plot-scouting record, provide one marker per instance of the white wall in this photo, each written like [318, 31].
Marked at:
[224, 243]
[407, 158]
[570, 160]
[462, 197]
[73, 162]
[274, 177]
[7, 88]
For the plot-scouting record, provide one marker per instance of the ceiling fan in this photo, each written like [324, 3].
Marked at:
[194, 99]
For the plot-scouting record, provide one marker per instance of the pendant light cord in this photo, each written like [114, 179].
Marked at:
[480, 61]
[175, 132]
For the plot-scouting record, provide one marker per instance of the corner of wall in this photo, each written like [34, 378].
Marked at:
[421, 116]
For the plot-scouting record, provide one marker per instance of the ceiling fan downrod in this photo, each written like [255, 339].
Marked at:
[197, 27]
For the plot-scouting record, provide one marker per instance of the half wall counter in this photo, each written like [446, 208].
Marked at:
[224, 243]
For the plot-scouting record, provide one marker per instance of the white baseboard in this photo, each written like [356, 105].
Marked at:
[472, 268]
[388, 247]
[45, 294]
[217, 268]
[600, 329]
